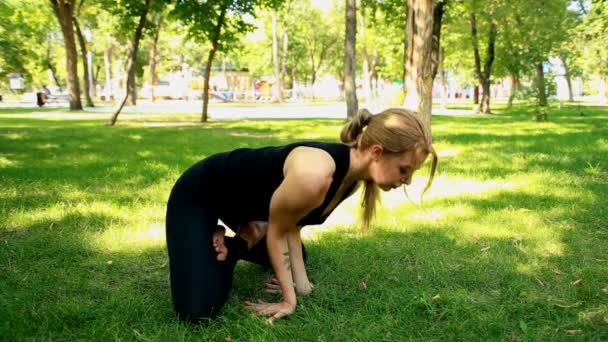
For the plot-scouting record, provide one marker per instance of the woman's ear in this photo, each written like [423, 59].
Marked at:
[376, 152]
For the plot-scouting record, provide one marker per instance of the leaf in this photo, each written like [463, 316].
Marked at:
[558, 272]
[109, 262]
[523, 326]
[363, 285]
[436, 297]
[577, 282]
[566, 306]
[574, 331]
[540, 282]
[485, 249]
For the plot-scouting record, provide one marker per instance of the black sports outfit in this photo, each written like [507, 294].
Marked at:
[235, 187]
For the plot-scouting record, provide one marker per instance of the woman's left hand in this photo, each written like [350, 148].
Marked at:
[273, 286]
[274, 310]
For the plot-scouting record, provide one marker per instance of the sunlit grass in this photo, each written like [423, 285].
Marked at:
[508, 244]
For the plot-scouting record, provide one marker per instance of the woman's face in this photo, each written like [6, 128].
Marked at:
[391, 170]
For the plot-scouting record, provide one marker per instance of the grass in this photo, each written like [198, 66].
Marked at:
[509, 244]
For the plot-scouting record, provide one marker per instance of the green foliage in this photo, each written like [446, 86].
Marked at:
[594, 33]
[201, 19]
[515, 217]
[28, 37]
[540, 113]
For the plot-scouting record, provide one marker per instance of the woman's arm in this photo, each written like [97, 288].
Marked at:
[303, 189]
[298, 270]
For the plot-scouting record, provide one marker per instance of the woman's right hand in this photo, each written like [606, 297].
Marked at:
[274, 310]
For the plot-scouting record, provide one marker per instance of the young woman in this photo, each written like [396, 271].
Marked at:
[266, 195]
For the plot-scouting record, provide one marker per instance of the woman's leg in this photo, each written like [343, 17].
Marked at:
[200, 284]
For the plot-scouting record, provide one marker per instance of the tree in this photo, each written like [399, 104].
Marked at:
[64, 11]
[484, 74]
[158, 20]
[275, 58]
[83, 52]
[350, 64]
[216, 22]
[423, 40]
[594, 31]
[28, 38]
[142, 11]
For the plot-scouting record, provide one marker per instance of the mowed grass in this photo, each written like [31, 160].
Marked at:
[510, 243]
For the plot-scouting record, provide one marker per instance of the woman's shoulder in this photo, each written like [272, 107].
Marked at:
[310, 160]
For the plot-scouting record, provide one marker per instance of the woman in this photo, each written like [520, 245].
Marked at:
[266, 195]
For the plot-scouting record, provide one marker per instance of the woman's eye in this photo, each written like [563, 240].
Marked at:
[402, 169]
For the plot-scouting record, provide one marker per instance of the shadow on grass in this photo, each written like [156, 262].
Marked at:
[383, 285]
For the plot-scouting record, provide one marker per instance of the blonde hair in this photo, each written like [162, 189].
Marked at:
[397, 131]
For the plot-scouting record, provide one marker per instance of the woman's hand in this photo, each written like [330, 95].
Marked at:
[273, 286]
[305, 289]
[274, 310]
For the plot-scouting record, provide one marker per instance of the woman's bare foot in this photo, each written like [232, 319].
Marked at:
[218, 243]
[252, 232]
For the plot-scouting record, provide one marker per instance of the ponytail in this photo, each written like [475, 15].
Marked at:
[353, 129]
[396, 130]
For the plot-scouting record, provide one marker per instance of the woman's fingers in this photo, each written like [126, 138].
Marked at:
[276, 310]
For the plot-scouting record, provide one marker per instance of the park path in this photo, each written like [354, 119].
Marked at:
[228, 111]
[220, 111]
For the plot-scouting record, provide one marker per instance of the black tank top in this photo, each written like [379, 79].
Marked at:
[244, 180]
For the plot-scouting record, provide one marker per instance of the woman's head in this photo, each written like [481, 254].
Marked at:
[398, 143]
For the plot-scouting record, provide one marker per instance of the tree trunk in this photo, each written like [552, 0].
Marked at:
[442, 80]
[64, 12]
[476, 94]
[406, 35]
[275, 59]
[540, 84]
[568, 77]
[131, 93]
[424, 33]
[514, 85]
[366, 73]
[85, 65]
[484, 75]
[153, 51]
[131, 96]
[284, 60]
[50, 65]
[603, 88]
[214, 44]
[373, 69]
[107, 61]
[350, 64]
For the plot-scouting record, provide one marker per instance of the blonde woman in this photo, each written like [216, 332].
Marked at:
[267, 195]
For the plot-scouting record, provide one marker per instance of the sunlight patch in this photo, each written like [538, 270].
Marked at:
[144, 154]
[136, 137]
[551, 249]
[5, 162]
[131, 238]
[13, 136]
[435, 214]
[448, 153]
[47, 146]
[442, 187]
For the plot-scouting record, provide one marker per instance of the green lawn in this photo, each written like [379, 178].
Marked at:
[510, 243]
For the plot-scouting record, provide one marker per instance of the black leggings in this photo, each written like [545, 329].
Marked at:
[200, 284]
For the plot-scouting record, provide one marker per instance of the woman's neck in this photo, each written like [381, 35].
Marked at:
[358, 168]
